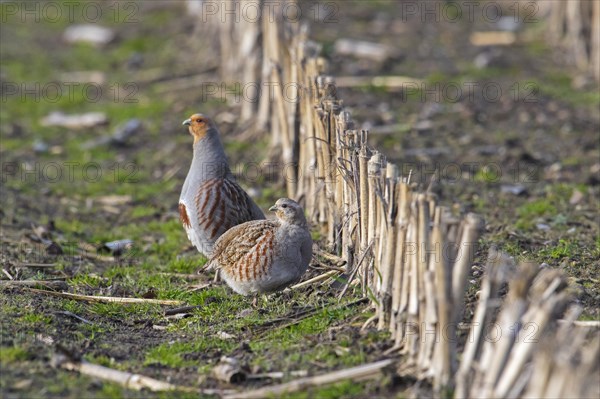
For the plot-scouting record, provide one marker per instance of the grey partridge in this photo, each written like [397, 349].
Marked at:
[211, 201]
[264, 256]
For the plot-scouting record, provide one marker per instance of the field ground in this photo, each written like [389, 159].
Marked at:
[528, 161]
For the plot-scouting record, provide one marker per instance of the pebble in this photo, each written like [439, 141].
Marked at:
[88, 33]
[514, 189]
[40, 146]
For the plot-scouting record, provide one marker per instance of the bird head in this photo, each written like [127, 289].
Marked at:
[289, 211]
[198, 125]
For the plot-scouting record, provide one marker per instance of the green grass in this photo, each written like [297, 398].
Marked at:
[264, 338]
[184, 265]
[143, 211]
[35, 319]
[558, 85]
[174, 354]
[155, 241]
[220, 315]
[292, 335]
[534, 211]
[488, 175]
[552, 208]
[335, 391]
[88, 281]
[13, 354]
[132, 311]
[562, 249]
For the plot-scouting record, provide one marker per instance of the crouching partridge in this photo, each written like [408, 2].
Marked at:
[211, 201]
[264, 256]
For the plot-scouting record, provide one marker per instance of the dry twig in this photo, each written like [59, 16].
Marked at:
[107, 299]
[316, 279]
[365, 371]
[50, 284]
[128, 380]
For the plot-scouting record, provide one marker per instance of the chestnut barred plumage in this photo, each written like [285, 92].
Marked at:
[264, 256]
[211, 201]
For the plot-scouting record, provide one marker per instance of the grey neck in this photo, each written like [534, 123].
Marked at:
[299, 221]
[209, 157]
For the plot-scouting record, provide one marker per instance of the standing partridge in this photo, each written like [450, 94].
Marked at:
[264, 256]
[211, 201]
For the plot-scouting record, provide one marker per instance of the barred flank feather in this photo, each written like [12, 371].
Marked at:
[211, 201]
[265, 255]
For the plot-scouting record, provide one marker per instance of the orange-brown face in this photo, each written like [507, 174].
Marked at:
[198, 125]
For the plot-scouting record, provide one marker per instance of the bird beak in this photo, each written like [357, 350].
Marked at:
[273, 208]
[187, 122]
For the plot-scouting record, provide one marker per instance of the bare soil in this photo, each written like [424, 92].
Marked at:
[528, 161]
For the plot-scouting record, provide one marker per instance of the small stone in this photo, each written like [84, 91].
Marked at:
[54, 249]
[224, 335]
[56, 150]
[80, 121]
[125, 131]
[40, 146]
[119, 246]
[362, 49]
[135, 61]
[22, 384]
[508, 24]
[488, 149]
[514, 189]
[430, 109]
[424, 125]
[88, 33]
[576, 197]
[245, 313]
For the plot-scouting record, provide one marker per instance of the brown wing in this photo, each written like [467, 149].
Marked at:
[222, 204]
[246, 251]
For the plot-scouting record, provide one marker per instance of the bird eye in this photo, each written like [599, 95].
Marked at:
[284, 206]
[198, 120]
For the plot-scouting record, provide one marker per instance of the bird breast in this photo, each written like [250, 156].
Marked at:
[294, 243]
